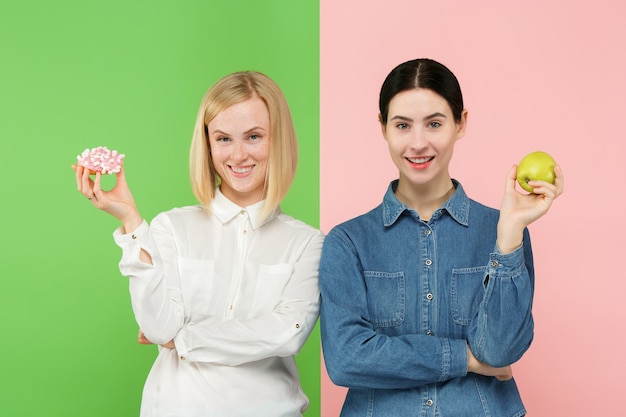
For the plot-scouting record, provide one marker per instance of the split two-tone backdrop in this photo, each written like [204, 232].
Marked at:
[130, 75]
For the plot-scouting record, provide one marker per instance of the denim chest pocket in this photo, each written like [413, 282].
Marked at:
[385, 297]
[196, 281]
[466, 293]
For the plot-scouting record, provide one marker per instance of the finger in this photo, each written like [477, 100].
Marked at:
[544, 189]
[78, 171]
[511, 179]
[120, 177]
[549, 190]
[86, 184]
[97, 190]
[558, 180]
[507, 373]
[142, 339]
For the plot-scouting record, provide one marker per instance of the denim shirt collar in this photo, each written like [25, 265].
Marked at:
[225, 210]
[457, 206]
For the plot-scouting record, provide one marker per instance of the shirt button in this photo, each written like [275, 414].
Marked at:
[297, 325]
[243, 212]
[429, 333]
[182, 358]
[495, 264]
[429, 296]
[133, 237]
[428, 262]
[427, 232]
[429, 403]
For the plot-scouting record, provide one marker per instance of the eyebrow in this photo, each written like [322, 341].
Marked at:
[252, 129]
[408, 119]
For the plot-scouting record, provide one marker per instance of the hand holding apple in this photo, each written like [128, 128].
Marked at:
[518, 210]
[536, 166]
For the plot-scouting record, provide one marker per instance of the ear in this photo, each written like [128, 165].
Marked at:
[461, 125]
[383, 127]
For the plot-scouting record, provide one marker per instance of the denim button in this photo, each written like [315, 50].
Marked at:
[429, 403]
[429, 296]
[495, 264]
[429, 333]
[427, 232]
[428, 262]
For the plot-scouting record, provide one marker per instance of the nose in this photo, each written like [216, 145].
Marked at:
[239, 153]
[419, 140]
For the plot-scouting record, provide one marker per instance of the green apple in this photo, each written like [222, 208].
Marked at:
[536, 166]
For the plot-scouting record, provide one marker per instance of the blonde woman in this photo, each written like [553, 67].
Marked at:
[228, 288]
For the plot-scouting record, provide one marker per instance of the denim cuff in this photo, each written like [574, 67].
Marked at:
[510, 264]
[455, 359]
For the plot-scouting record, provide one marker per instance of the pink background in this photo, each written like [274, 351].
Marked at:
[536, 75]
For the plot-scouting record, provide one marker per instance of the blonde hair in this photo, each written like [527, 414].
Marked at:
[233, 89]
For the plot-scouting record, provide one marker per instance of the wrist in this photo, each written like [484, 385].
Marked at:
[509, 238]
[471, 360]
[131, 223]
[506, 247]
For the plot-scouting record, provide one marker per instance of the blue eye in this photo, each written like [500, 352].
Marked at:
[222, 139]
[254, 137]
[402, 126]
[434, 124]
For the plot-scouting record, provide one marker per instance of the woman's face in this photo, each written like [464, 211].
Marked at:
[421, 133]
[240, 145]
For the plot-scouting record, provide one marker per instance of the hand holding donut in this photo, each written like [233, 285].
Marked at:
[118, 201]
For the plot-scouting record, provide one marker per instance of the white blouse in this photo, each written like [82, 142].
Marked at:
[239, 295]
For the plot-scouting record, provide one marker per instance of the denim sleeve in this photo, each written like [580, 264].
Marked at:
[356, 355]
[503, 329]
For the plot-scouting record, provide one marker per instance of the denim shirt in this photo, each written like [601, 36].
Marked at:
[402, 299]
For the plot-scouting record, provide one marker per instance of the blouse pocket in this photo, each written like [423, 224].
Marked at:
[467, 291]
[196, 282]
[270, 285]
[385, 297]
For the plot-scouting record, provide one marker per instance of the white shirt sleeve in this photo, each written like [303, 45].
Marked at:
[155, 292]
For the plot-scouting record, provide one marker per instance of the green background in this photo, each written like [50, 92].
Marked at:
[128, 75]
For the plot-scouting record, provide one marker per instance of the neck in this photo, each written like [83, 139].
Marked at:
[425, 200]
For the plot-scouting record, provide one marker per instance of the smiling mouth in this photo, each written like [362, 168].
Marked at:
[420, 160]
[241, 170]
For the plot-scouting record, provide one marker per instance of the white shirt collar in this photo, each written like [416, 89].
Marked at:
[225, 210]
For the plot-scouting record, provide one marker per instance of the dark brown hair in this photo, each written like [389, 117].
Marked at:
[421, 73]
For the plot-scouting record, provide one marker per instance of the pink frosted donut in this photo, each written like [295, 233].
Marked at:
[101, 159]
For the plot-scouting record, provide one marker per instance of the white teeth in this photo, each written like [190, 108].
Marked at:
[241, 170]
[419, 160]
